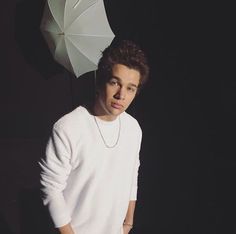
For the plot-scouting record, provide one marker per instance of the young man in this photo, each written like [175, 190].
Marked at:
[89, 176]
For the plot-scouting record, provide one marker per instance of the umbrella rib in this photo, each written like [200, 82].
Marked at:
[82, 12]
[87, 9]
[55, 18]
[89, 35]
[79, 48]
[76, 4]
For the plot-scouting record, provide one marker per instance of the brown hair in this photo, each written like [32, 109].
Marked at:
[123, 52]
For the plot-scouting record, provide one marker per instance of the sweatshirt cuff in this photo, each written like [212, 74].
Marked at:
[133, 194]
[58, 210]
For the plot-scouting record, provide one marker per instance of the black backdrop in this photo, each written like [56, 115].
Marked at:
[186, 111]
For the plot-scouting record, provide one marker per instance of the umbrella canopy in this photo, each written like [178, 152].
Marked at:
[76, 31]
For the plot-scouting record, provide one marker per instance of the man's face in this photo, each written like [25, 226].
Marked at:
[118, 92]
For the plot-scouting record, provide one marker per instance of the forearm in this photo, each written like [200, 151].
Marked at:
[129, 218]
[67, 229]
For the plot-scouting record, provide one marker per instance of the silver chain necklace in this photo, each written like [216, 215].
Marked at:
[103, 139]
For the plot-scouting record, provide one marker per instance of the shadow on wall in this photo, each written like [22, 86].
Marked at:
[4, 227]
[30, 39]
[82, 88]
[34, 217]
[22, 210]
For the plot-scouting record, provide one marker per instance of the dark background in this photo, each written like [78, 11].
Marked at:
[187, 113]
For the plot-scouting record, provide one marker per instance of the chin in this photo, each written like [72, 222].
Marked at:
[116, 112]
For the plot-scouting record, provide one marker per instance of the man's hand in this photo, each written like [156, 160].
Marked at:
[126, 229]
[67, 229]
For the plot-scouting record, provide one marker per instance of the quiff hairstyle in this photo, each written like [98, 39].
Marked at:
[123, 52]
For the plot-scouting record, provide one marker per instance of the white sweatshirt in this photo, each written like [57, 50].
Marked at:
[84, 182]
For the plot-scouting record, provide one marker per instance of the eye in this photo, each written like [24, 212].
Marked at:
[113, 82]
[132, 89]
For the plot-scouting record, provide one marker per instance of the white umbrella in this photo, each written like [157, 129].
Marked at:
[76, 31]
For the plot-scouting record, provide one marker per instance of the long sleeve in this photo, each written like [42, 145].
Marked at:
[133, 194]
[134, 189]
[55, 171]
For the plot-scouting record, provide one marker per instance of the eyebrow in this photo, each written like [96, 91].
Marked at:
[117, 78]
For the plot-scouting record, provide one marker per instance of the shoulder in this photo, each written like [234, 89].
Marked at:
[72, 120]
[131, 122]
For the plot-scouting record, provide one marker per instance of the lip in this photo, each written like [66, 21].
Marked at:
[116, 105]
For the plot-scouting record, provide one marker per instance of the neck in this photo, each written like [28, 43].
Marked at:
[100, 111]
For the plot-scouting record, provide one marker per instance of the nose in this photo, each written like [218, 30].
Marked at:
[120, 94]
